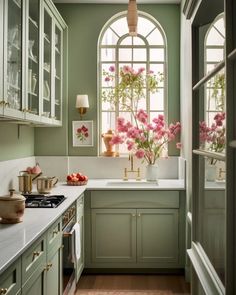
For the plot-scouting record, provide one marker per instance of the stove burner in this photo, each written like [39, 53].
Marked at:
[41, 201]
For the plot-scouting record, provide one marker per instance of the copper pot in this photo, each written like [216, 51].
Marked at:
[12, 208]
[45, 184]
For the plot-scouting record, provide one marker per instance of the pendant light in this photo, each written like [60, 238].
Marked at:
[132, 17]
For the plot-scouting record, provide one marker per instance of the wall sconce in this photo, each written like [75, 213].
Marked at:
[82, 104]
[132, 17]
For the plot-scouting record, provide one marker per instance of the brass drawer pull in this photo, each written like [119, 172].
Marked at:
[55, 232]
[48, 266]
[3, 291]
[36, 253]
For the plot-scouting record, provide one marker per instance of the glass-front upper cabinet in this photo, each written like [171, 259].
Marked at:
[52, 69]
[12, 103]
[32, 61]
[58, 37]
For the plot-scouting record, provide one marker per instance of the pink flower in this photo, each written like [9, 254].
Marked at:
[112, 69]
[130, 145]
[142, 116]
[178, 145]
[107, 79]
[151, 72]
[140, 70]
[140, 153]
[116, 139]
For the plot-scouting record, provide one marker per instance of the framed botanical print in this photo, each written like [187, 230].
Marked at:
[82, 133]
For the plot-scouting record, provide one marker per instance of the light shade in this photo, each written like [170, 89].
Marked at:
[132, 17]
[82, 101]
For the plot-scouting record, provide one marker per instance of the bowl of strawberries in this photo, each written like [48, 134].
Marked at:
[76, 179]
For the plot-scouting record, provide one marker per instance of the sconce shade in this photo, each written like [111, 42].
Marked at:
[82, 101]
[132, 17]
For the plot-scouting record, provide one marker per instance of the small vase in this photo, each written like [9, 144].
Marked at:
[151, 172]
[109, 148]
[210, 172]
[34, 82]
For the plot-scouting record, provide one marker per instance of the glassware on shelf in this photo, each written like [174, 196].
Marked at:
[31, 44]
[13, 35]
[34, 82]
[46, 90]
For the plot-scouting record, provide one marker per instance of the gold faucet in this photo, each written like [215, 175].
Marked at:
[126, 171]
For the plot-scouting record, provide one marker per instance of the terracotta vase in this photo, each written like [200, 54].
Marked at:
[109, 148]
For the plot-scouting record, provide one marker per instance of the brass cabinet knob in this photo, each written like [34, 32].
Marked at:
[36, 253]
[139, 215]
[55, 232]
[133, 215]
[3, 291]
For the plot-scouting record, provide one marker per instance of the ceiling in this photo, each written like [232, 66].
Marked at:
[118, 1]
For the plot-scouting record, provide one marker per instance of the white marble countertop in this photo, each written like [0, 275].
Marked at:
[16, 238]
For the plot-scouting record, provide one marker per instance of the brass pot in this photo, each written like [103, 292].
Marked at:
[25, 181]
[12, 208]
[45, 184]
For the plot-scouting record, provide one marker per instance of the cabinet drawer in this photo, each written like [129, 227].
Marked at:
[10, 280]
[33, 257]
[54, 234]
[134, 199]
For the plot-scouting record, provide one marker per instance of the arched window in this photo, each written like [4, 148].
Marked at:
[146, 50]
[213, 54]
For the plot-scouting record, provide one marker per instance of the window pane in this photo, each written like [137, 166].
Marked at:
[155, 38]
[106, 106]
[105, 67]
[120, 26]
[125, 54]
[157, 68]
[142, 104]
[140, 54]
[157, 54]
[109, 37]
[157, 100]
[145, 26]
[219, 25]
[138, 41]
[127, 41]
[108, 121]
[215, 38]
[108, 54]
[215, 55]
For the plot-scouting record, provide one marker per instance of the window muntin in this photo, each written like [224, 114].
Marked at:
[147, 50]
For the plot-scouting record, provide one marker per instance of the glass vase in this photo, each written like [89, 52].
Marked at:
[151, 172]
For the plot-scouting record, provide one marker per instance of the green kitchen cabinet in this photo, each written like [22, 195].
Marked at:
[135, 229]
[113, 235]
[32, 62]
[157, 235]
[37, 283]
[10, 280]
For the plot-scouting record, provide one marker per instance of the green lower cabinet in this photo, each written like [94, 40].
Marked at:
[157, 235]
[10, 280]
[113, 235]
[36, 284]
[54, 273]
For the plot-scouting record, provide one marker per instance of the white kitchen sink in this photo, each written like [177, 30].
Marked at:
[131, 182]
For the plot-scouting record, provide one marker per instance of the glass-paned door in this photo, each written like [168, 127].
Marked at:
[58, 73]
[33, 60]
[13, 59]
[47, 65]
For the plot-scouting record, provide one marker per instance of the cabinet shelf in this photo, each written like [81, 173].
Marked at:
[33, 94]
[57, 77]
[18, 3]
[13, 45]
[57, 50]
[33, 59]
[46, 70]
[46, 39]
[33, 22]
[14, 86]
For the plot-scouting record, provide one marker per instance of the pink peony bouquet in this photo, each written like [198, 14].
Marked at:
[213, 137]
[146, 140]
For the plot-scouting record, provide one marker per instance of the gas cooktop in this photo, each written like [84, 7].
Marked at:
[43, 201]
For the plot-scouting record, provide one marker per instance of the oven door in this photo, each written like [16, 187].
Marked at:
[69, 282]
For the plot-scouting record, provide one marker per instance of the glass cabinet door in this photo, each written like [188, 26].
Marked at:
[47, 65]
[13, 104]
[58, 73]
[32, 74]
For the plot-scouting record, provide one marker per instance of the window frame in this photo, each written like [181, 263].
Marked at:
[117, 62]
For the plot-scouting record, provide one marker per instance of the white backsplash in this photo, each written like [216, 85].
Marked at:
[9, 170]
[104, 167]
[93, 167]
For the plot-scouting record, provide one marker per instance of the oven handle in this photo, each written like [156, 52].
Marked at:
[69, 233]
